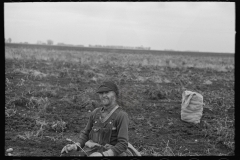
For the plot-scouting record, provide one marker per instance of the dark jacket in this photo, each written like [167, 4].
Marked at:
[117, 124]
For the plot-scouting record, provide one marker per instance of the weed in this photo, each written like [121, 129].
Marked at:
[42, 123]
[167, 151]
[28, 135]
[10, 112]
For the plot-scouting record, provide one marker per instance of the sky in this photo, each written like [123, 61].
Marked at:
[180, 26]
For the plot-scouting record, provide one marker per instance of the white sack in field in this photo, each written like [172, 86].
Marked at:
[192, 107]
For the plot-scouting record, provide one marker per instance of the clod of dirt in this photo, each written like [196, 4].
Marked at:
[9, 150]
[207, 82]
[155, 94]
[10, 154]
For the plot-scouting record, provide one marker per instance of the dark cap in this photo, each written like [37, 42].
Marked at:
[108, 86]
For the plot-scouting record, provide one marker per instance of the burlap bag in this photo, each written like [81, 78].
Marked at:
[192, 107]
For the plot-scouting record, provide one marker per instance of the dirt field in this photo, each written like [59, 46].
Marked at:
[49, 95]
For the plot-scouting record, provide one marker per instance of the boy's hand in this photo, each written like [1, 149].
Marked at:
[69, 148]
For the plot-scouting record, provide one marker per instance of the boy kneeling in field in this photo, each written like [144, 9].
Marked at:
[106, 133]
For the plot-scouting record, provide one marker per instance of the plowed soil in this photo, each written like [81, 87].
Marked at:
[51, 92]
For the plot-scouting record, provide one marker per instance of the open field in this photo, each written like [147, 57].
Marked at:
[49, 94]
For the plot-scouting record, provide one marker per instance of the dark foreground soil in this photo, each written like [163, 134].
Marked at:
[66, 94]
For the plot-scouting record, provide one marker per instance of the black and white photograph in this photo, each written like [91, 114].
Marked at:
[107, 79]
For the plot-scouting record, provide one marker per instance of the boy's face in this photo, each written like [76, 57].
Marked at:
[107, 98]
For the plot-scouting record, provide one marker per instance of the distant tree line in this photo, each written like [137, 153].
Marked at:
[9, 40]
[120, 47]
[63, 44]
[50, 42]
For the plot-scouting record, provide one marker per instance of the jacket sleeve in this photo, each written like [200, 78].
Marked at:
[122, 123]
[84, 134]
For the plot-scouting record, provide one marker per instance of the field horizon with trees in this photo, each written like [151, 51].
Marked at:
[62, 46]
